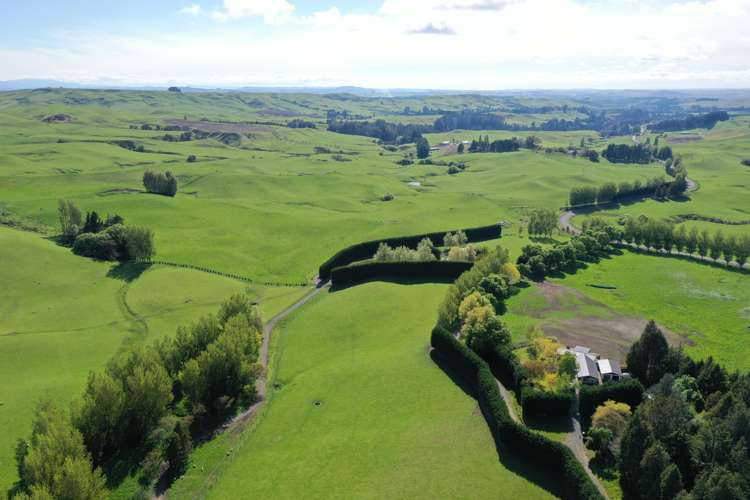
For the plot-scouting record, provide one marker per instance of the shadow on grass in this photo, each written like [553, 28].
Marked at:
[557, 425]
[506, 456]
[128, 271]
[397, 280]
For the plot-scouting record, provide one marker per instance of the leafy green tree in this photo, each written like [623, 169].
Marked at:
[635, 441]
[100, 415]
[670, 482]
[599, 439]
[484, 335]
[691, 243]
[56, 463]
[718, 483]
[567, 367]
[704, 243]
[140, 243]
[647, 356]
[240, 304]
[653, 464]
[71, 219]
[717, 245]
[423, 148]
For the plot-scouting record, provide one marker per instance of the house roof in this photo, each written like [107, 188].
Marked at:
[586, 366]
[581, 349]
[609, 366]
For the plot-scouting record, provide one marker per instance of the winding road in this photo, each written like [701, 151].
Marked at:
[261, 384]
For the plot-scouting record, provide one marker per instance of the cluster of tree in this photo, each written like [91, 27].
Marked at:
[609, 192]
[299, 123]
[484, 120]
[662, 235]
[492, 276]
[160, 183]
[117, 242]
[457, 239]
[107, 239]
[425, 252]
[636, 153]
[483, 145]
[536, 262]
[130, 145]
[133, 407]
[545, 368]
[708, 120]
[395, 133]
[183, 137]
[542, 222]
[688, 439]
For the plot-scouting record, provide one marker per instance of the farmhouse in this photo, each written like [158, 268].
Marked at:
[591, 369]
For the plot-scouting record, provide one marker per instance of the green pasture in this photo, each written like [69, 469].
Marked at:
[274, 207]
[62, 315]
[708, 305]
[390, 424]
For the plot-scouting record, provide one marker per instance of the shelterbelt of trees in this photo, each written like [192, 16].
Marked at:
[145, 409]
[625, 122]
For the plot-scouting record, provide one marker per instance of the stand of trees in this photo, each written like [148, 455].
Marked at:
[610, 192]
[160, 183]
[636, 153]
[708, 120]
[298, 123]
[688, 439]
[106, 239]
[136, 407]
[542, 222]
[395, 133]
[536, 262]
[662, 235]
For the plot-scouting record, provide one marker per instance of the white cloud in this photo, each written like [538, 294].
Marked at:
[272, 11]
[524, 43]
[193, 9]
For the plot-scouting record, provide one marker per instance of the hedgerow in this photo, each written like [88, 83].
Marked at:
[368, 271]
[576, 484]
[365, 250]
[625, 391]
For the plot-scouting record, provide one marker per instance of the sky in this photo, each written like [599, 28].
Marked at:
[428, 44]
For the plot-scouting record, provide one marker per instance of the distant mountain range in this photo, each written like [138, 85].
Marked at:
[30, 84]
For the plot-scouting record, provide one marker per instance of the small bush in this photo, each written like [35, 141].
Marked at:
[386, 197]
[192, 159]
[453, 170]
[746, 162]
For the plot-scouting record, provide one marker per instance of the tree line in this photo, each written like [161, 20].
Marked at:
[707, 120]
[160, 183]
[147, 404]
[609, 192]
[662, 235]
[106, 239]
[395, 133]
[484, 145]
[636, 153]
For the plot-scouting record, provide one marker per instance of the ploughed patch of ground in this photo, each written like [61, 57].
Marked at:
[598, 326]
[683, 138]
[207, 126]
[58, 118]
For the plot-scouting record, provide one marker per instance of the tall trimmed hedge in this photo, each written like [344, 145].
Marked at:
[506, 368]
[365, 250]
[537, 402]
[576, 484]
[625, 391]
[368, 271]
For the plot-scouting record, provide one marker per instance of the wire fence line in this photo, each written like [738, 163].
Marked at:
[208, 270]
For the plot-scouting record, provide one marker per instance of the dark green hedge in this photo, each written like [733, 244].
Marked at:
[506, 367]
[576, 484]
[537, 402]
[365, 250]
[368, 271]
[626, 391]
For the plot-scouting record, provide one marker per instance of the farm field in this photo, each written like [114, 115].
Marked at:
[274, 182]
[62, 315]
[704, 308]
[390, 423]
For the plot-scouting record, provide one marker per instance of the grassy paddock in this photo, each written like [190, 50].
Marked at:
[390, 423]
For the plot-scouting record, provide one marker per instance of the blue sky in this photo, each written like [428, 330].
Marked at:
[466, 44]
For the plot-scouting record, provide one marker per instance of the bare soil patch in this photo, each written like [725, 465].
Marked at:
[684, 138]
[59, 118]
[610, 335]
[207, 126]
